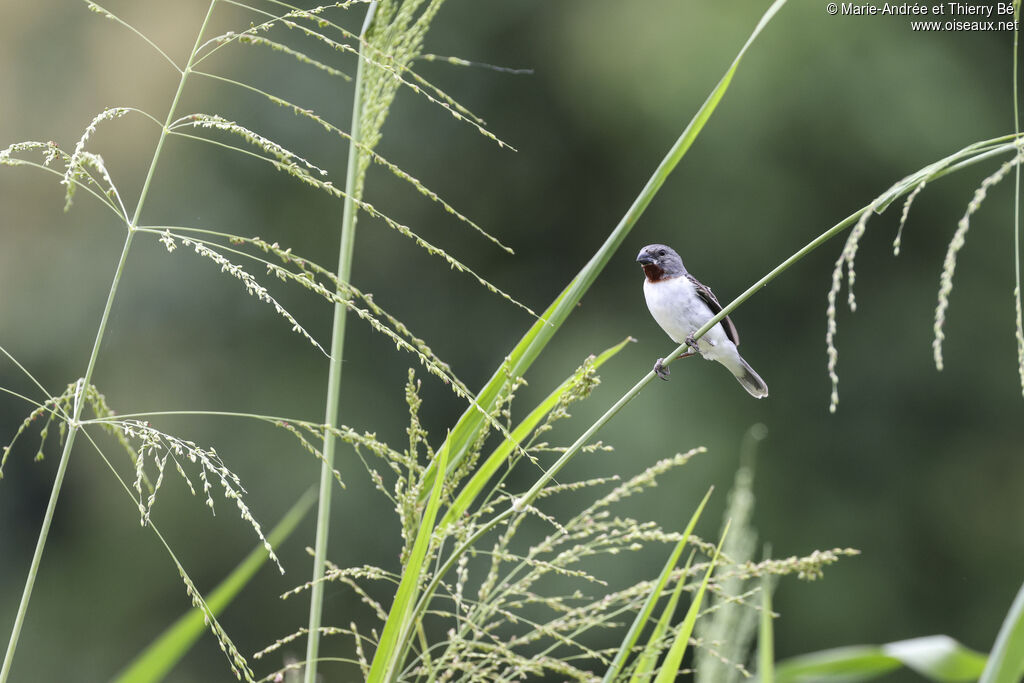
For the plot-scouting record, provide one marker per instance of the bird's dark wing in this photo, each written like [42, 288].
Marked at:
[709, 298]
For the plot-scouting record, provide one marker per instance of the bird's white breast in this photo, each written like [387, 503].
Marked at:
[680, 311]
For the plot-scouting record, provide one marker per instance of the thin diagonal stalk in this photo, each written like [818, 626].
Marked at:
[74, 423]
[346, 249]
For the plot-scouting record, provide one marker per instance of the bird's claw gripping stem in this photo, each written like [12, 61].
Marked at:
[660, 370]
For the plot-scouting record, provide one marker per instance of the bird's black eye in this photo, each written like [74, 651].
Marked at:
[661, 252]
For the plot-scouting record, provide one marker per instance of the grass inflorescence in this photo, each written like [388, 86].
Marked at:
[909, 188]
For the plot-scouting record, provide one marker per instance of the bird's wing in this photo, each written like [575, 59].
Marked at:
[709, 298]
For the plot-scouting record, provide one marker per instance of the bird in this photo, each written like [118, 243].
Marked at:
[681, 305]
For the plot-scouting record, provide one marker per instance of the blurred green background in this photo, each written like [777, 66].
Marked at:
[922, 471]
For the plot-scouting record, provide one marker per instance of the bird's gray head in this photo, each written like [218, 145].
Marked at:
[660, 262]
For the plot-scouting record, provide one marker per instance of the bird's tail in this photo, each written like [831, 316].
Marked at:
[750, 380]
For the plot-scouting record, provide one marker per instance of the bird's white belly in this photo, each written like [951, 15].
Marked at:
[679, 310]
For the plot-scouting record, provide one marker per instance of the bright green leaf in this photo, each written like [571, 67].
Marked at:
[674, 659]
[645, 612]
[398, 627]
[649, 657]
[937, 658]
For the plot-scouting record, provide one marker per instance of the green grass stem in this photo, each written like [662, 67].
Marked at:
[648, 659]
[626, 647]
[401, 619]
[345, 253]
[674, 659]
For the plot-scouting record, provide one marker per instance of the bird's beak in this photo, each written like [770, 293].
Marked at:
[644, 259]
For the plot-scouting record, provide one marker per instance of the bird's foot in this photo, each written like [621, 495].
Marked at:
[692, 343]
[660, 370]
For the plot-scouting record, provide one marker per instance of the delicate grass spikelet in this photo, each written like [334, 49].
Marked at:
[75, 172]
[239, 666]
[50, 152]
[104, 191]
[55, 408]
[307, 445]
[910, 187]
[636, 484]
[281, 642]
[845, 260]
[301, 57]
[346, 575]
[808, 568]
[305, 273]
[391, 55]
[377, 158]
[955, 245]
[158, 447]
[299, 168]
[289, 161]
[898, 240]
[364, 666]
[252, 287]
[372, 314]
[1019, 333]
[458, 61]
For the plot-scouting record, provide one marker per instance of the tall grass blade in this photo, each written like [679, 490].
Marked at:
[543, 330]
[674, 659]
[838, 665]
[1006, 661]
[649, 657]
[640, 621]
[346, 249]
[398, 627]
[156, 661]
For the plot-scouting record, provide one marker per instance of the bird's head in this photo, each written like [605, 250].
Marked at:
[660, 262]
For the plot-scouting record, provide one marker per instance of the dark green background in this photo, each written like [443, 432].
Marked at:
[921, 471]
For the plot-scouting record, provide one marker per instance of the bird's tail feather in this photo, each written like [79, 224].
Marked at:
[750, 380]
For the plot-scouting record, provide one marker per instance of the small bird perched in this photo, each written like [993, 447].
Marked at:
[681, 305]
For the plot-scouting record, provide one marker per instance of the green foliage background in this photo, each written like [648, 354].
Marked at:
[921, 471]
